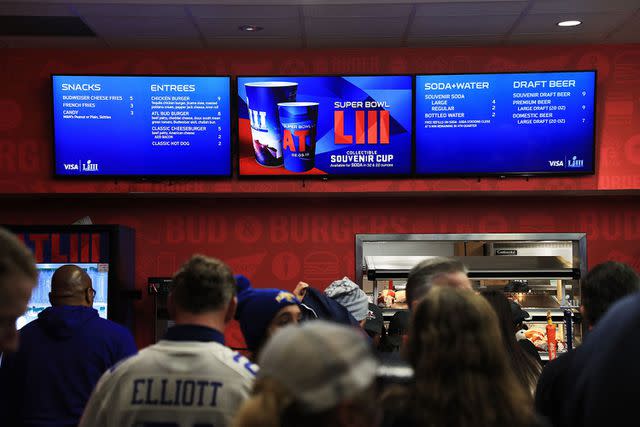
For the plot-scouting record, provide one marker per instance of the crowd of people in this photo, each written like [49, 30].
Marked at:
[316, 358]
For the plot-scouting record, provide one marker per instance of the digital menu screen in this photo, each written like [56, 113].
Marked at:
[328, 125]
[141, 126]
[512, 123]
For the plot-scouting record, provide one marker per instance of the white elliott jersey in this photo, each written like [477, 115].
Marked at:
[172, 384]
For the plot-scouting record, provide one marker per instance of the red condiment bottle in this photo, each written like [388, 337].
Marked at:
[551, 337]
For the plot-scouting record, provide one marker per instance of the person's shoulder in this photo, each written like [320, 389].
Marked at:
[124, 367]
[236, 362]
[111, 328]
[31, 328]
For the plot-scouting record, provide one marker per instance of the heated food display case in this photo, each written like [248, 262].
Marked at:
[540, 271]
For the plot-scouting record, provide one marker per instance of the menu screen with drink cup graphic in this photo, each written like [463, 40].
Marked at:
[325, 125]
[507, 123]
[142, 125]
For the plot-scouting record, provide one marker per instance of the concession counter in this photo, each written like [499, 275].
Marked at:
[540, 271]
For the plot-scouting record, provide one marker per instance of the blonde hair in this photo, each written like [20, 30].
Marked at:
[272, 405]
[463, 376]
[265, 407]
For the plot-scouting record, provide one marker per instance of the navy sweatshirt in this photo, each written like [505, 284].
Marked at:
[61, 357]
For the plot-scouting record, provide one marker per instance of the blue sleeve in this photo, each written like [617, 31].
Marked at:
[7, 390]
[126, 346]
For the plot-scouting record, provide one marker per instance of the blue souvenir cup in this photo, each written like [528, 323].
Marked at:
[299, 121]
[266, 134]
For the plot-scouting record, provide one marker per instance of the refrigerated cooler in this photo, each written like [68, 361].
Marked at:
[540, 271]
[105, 252]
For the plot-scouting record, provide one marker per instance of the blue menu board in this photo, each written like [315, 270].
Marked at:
[511, 123]
[141, 126]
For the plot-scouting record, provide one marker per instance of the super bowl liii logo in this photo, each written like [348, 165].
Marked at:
[575, 162]
[375, 118]
[88, 166]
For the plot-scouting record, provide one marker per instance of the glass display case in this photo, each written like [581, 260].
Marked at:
[540, 271]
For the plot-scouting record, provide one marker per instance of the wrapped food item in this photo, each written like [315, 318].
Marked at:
[539, 339]
[386, 298]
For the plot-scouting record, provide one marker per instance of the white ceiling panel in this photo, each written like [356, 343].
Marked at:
[355, 27]
[358, 11]
[454, 41]
[355, 42]
[53, 42]
[156, 43]
[35, 9]
[591, 23]
[257, 43]
[495, 8]
[131, 10]
[461, 26]
[111, 26]
[583, 6]
[280, 28]
[228, 11]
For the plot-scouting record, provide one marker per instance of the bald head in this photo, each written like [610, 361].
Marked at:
[71, 285]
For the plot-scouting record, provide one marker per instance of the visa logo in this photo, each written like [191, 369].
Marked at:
[556, 163]
[70, 166]
[84, 86]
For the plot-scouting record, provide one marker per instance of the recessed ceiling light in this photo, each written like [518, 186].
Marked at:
[569, 23]
[250, 28]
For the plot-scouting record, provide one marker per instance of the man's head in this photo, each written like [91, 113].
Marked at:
[71, 285]
[436, 271]
[203, 286]
[18, 277]
[605, 284]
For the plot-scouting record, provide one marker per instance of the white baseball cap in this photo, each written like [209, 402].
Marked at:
[320, 363]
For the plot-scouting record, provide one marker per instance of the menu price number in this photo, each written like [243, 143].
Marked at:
[131, 105]
[493, 108]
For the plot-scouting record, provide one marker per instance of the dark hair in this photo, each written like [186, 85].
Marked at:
[462, 374]
[203, 284]
[605, 284]
[421, 276]
[15, 259]
[525, 367]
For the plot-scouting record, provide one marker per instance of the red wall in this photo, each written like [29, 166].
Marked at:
[278, 241]
[25, 122]
[276, 238]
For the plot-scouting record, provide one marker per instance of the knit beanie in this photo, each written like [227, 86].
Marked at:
[350, 296]
[256, 309]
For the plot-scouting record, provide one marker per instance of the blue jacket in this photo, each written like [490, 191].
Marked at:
[61, 357]
[316, 305]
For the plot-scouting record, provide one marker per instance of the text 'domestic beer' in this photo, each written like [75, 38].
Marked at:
[266, 132]
[299, 121]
